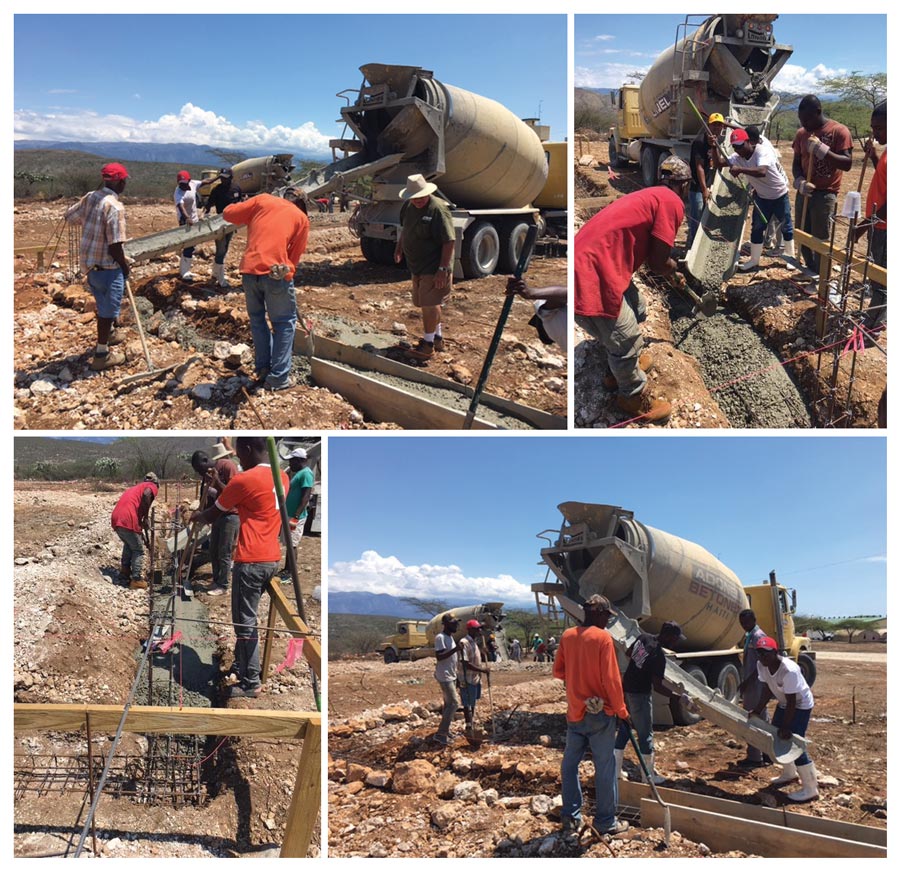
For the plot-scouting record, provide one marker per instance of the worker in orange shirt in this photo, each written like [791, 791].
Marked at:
[876, 214]
[586, 662]
[277, 232]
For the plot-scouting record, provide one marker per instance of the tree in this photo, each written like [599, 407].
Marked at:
[529, 622]
[857, 87]
[159, 455]
[430, 607]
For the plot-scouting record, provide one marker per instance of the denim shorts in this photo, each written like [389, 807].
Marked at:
[108, 286]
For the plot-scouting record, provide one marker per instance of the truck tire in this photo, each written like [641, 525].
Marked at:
[390, 656]
[380, 251]
[727, 680]
[513, 239]
[807, 667]
[480, 250]
[681, 714]
[615, 159]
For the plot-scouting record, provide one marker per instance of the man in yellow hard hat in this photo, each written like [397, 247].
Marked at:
[702, 171]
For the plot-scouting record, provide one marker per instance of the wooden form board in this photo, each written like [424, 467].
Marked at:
[859, 264]
[287, 610]
[724, 833]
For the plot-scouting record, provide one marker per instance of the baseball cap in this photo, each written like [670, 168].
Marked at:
[297, 454]
[597, 603]
[449, 618]
[226, 172]
[151, 477]
[738, 136]
[674, 168]
[716, 117]
[114, 171]
[473, 624]
[184, 175]
[670, 627]
[766, 643]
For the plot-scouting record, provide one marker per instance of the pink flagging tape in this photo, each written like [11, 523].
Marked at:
[295, 648]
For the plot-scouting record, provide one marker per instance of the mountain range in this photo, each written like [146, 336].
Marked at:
[381, 604]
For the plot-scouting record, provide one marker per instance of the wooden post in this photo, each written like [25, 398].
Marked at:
[267, 644]
[307, 798]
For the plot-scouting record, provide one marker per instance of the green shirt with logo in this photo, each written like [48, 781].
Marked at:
[425, 231]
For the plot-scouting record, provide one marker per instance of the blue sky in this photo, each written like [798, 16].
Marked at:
[449, 517]
[264, 80]
[609, 47]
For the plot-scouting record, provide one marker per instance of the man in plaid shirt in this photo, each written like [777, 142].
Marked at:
[102, 218]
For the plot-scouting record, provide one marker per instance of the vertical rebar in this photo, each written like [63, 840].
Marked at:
[87, 726]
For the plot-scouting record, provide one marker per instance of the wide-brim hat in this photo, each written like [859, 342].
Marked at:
[417, 186]
[219, 452]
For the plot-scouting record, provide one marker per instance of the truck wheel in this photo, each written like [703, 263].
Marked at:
[728, 680]
[615, 160]
[649, 165]
[390, 656]
[681, 714]
[512, 247]
[480, 250]
[379, 251]
[807, 667]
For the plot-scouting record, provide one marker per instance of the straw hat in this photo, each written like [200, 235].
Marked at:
[219, 451]
[416, 187]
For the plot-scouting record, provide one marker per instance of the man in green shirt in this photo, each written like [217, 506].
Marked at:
[427, 240]
[302, 481]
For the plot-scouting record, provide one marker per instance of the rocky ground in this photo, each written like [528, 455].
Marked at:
[765, 322]
[393, 793]
[77, 638]
[201, 335]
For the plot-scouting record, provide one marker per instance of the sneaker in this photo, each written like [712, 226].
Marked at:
[279, 384]
[438, 343]
[241, 693]
[618, 829]
[100, 362]
[261, 375]
[423, 351]
[570, 827]
[440, 740]
[216, 590]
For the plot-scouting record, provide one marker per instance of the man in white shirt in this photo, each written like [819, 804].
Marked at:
[756, 159]
[186, 207]
[446, 651]
[783, 681]
[473, 668]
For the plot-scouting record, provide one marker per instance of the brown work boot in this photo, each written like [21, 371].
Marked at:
[100, 362]
[645, 407]
[137, 585]
[423, 351]
[645, 361]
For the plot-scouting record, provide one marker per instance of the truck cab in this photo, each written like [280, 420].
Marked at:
[408, 641]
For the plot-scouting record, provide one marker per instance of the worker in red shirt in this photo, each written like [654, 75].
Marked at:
[130, 518]
[257, 556]
[586, 661]
[277, 232]
[876, 221]
[636, 229]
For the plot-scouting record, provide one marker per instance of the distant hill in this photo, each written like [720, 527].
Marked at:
[372, 603]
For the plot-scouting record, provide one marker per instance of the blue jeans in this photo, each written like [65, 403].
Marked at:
[222, 539]
[248, 580]
[266, 295]
[695, 210]
[108, 286]
[640, 707]
[818, 222]
[798, 727]
[597, 732]
[779, 209]
[132, 552]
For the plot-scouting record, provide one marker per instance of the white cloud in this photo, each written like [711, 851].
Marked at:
[603, 37]
[611, 75]
[875, 559]
[190, 124]
[799, 80]
[373, 573]
[62, 91]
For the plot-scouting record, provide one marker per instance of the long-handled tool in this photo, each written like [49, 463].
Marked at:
[667, 814]
[521, 266]
[151, 373]
[705, 305]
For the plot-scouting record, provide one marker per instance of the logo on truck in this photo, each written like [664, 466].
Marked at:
[718, 592]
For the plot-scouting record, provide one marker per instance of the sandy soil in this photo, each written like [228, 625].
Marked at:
[382, 715]
[782, 333]
[78, 637]
[339, 294]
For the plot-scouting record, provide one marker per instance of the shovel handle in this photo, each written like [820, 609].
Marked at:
[137, 320]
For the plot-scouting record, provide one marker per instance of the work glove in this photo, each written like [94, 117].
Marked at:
[817, 148]
[292, 523]
[804, 188]
[678, 281]
[594, 705]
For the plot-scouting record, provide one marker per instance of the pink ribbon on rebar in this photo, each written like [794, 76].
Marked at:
[855, 342]
[166, 646]
[295, 648]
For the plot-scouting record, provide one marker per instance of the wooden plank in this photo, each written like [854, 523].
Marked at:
[876, 273]
[306, 799]
[358, 358]
[631, 793]
[269, 642]
[388, 404]
[723, 833]
[287, 610]
[180, 721]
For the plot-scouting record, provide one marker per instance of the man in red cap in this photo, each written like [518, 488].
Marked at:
[755, 158]
[186, 207]
[473, 668]
[783, 681]
[102, 218]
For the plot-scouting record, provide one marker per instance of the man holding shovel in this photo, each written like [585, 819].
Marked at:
[473, 667]
[130, 519]
[446, 652]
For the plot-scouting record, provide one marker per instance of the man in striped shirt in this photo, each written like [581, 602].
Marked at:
[102, 217]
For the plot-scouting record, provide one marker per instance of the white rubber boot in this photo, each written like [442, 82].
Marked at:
[790, 256]
[756, 250]
[184, 269]
[656, 778]
[218, 272]
[788, 773]
[809, 783]
[620, 758]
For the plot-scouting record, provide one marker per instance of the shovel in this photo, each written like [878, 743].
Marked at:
[704, 306]
[667, 814]
[151, 373]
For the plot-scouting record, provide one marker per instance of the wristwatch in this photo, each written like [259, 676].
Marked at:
[443, 269]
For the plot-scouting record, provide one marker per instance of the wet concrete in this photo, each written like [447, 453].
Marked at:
[727, 347]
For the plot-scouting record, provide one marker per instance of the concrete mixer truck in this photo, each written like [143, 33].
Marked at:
[724, 63]
[651, 576]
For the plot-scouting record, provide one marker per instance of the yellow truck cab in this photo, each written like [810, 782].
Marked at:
[409, 642]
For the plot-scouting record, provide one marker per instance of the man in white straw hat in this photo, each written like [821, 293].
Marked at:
[427, 240]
